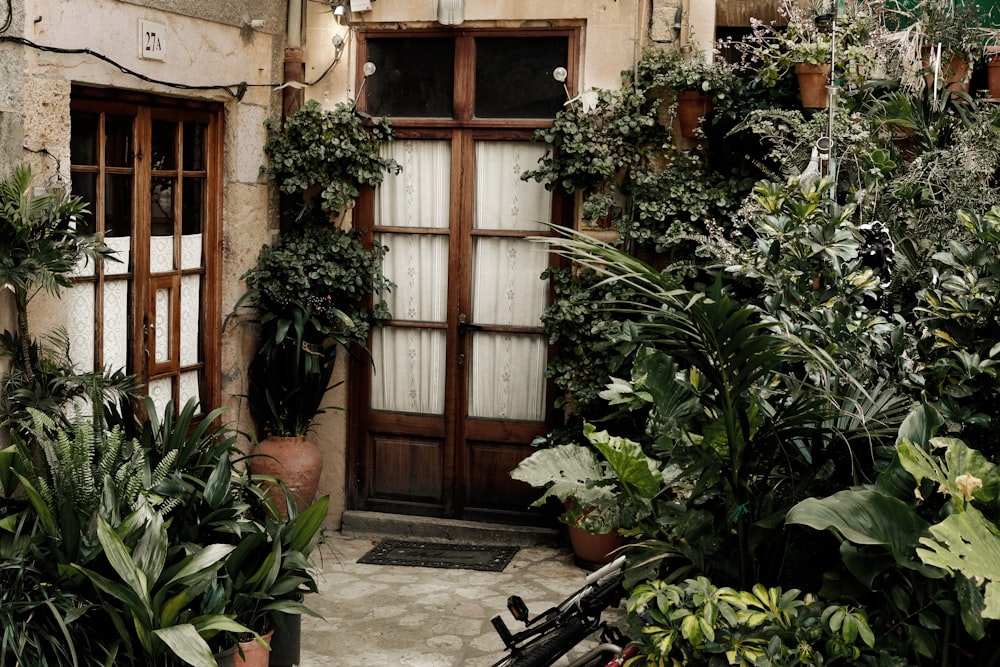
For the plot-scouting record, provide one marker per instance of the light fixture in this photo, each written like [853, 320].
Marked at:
[367, 69]
[451, 12]
[341, 14]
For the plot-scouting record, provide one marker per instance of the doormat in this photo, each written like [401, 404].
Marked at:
[440, 554]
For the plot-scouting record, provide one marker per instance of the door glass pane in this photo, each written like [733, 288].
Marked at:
[190, 319]
[117, 323]
[414, 76]
[418, 196]
[514, 76]
[503, 200]
[418, 265]
[85, 185]
[507, 287]
[408, 370]
[507, 376]
[83, 138]
[192, 206]
[163, 325]
[194, 146]
[161, 207]
[118, 141]
[118, 205]
[164, 145]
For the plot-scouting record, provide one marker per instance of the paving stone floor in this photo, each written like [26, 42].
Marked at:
[394, 616]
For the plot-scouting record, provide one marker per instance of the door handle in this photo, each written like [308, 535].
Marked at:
[464, 324]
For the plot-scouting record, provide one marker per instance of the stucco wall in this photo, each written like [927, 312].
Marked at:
[210, 44]
[206, 45]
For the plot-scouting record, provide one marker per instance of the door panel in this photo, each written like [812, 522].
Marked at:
[456, 388]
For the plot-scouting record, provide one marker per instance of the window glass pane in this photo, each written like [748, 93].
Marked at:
[164, 145]
[85, 186]
[194, 146]
[413, 77]
[161, 207]
[192, 206]
[83, 138]
[118, 205]
[118, 141]
[514, 76]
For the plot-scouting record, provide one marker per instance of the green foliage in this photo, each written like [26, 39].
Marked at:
[584, 336]
[42, 242]
[136, 535]
[696, 623]
[308, 295]
[858, 39]
[960, 310]
[899, 538]
[607, 485]
[679, 71]
[333, 150]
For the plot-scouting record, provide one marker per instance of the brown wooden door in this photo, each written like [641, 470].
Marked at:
[456, 389]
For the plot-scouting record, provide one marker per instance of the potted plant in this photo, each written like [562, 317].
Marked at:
[267, 576]
[690, 78]
[951, 40]
[820, 48]
[307, 296]
[43, 240]
[605, 486]
[327, 154]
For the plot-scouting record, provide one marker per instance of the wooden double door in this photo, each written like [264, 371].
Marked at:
[455, 390]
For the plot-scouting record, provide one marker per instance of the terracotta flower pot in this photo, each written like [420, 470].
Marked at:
[692, 106]
[812, 84]
[953, 74]
[592, 551]
[297, 461]
[253, 653]
[993, 75]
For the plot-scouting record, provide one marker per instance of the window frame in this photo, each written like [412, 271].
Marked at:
[144, 109]
[463, 101]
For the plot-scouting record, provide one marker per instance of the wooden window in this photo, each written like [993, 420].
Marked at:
[149, 170]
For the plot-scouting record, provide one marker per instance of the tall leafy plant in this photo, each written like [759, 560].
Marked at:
[727, 359]
[43, 239]
[308, 294]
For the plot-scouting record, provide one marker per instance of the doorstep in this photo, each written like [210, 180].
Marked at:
[369, 525]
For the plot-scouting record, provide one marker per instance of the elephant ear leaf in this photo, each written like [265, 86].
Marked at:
[967, 542]
[865, 517]
[563, 470]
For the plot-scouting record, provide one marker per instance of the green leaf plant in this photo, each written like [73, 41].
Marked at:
[328, 153]
[709, 374]
[698, 624]
[925, 537]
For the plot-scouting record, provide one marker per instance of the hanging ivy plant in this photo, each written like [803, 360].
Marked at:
[330, 150]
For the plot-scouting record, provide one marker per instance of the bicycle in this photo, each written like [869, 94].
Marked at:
[556, 631]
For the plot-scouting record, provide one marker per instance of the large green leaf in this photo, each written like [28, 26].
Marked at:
[562, 471]
[187, 645]
[121, 561]
[305, 529]
[966, 542]
[865, 517]
[636, 472]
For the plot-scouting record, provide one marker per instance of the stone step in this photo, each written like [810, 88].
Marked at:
[360, 524]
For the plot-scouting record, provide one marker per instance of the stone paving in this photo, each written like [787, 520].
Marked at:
[389, 616]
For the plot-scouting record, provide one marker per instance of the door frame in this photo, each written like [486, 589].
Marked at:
[463, 127]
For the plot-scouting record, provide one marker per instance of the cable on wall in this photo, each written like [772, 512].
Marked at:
[236, 90]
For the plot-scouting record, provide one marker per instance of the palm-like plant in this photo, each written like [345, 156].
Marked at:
[747, 433]
[40, 246]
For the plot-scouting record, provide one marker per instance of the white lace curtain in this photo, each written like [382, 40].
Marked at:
[506, 370]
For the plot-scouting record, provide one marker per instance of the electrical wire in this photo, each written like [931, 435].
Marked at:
[236, 90]
[10, 16]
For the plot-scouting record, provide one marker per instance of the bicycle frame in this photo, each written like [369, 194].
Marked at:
[555, 632]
